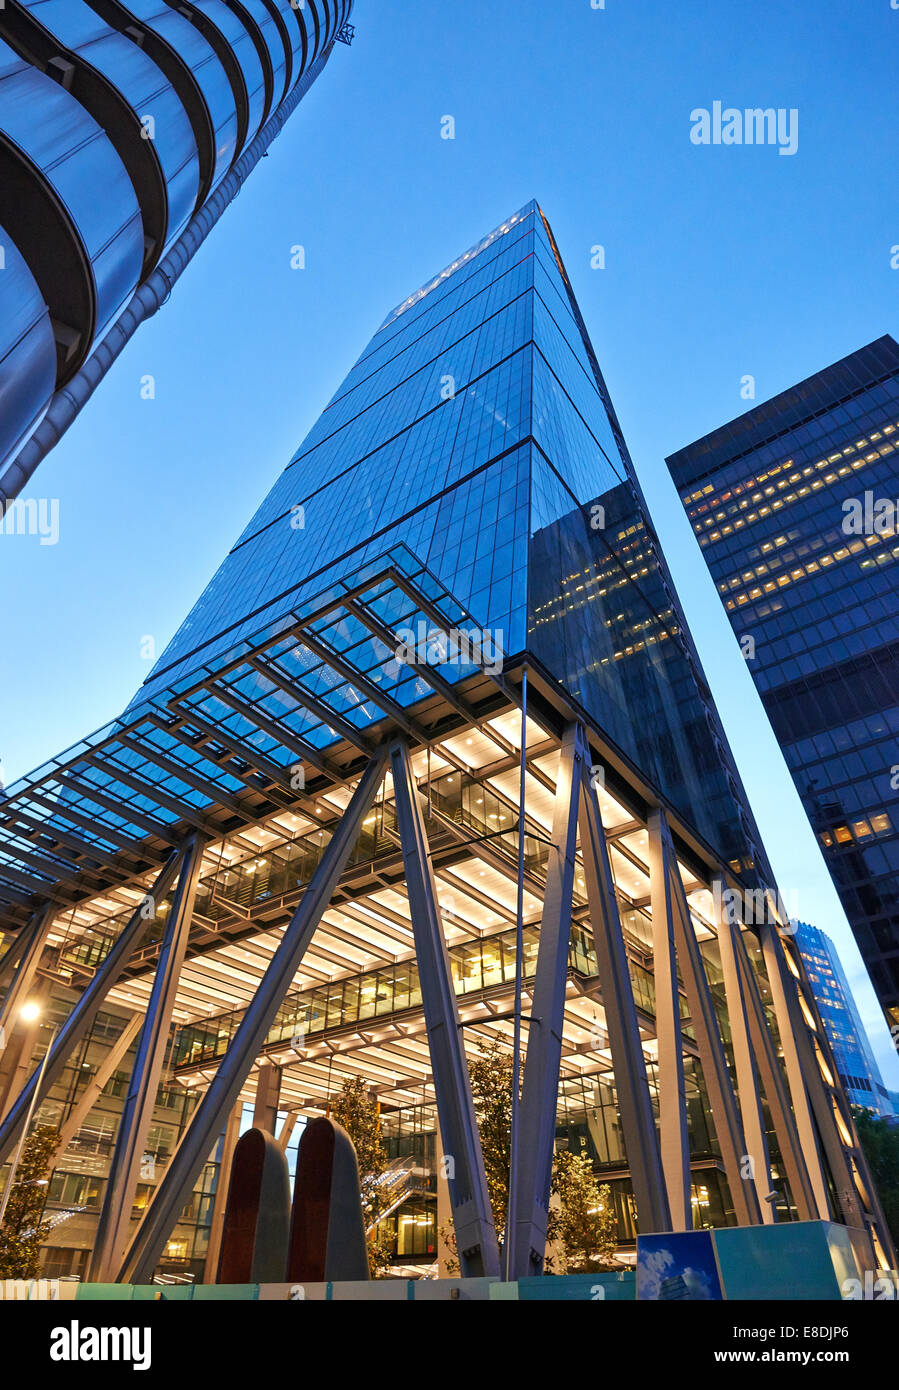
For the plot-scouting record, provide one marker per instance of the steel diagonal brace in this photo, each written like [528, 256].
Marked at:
[212, 1112]
[638, 1127]
[472, 1218]
[537, 1114]
[85, 1011]
[719, 1086]
[674, 1135]
[140, 1102]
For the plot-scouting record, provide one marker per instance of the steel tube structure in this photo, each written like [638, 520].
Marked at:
[537, 1117]
[723, 1101]
[211, 1114]
[638, 1127]
[748, 1091]
[795, 1166]
[674, 1138]
[519, 971]
[94, 1088]
[85, 1011]
[857, 1196]
[137, 1114]
[26, 962]
[472, 1218]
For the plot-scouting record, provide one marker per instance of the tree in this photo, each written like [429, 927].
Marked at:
[356, 1109]
[584, 1218]
[880, 1142]
[23, 1230]
[491, 1073]
[586, 1225]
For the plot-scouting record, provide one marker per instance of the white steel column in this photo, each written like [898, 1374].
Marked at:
[673, 1132]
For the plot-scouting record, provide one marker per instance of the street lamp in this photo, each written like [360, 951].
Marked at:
[29, 1012]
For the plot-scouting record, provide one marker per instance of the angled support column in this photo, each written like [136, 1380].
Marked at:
[806, 1084]
[748, 1093]
[472, 1218]
[268, 1091]
[12, 955]
[795, 1167]
[220, 1197]
[211, 1114]
[140, 1102]
[94, 1089]
[638, 1126]
[85, 1011]
[27, 947]
[18, 1058]
[673, 1132]
[857, 1195]
[287, 1129]
[723, 1102]
[788, 1020]
[540, 1092]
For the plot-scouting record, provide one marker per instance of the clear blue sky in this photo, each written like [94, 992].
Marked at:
[719, 262]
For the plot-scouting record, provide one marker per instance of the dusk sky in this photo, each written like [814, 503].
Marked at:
[720, 261]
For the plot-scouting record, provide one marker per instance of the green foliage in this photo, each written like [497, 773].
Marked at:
[356, 1110]
[583, 1219]
[880, 1142]
[585, 1224]
[23, 1230]
[491, 1087]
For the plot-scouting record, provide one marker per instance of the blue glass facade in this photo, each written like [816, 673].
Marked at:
[782, 501]
[859, 1071]
[476, 431]
[470, 470]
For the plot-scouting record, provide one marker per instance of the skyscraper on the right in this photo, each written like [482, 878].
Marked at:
[855, 1061]
[796, 507]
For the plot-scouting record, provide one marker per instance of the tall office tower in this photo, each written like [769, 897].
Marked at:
[435, 766]
[126, 128]
[858, 1068]
[795, 506]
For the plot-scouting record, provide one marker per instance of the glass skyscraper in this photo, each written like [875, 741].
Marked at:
[859, 1071]
[435, 730]
[795, 505]
[476, 430]
[166, 108]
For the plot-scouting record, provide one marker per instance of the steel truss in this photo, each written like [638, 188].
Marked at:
[257, 695]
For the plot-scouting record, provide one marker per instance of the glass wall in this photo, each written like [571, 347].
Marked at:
[475, 966]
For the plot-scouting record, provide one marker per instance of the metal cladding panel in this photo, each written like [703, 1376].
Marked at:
[200, 58]
[74, 157]
[311, 16]
[146, 90]
[294, 36]
[259, 16]
[235, 34]
[27, 349]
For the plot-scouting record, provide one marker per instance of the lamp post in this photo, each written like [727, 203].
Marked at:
[28, 1013]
